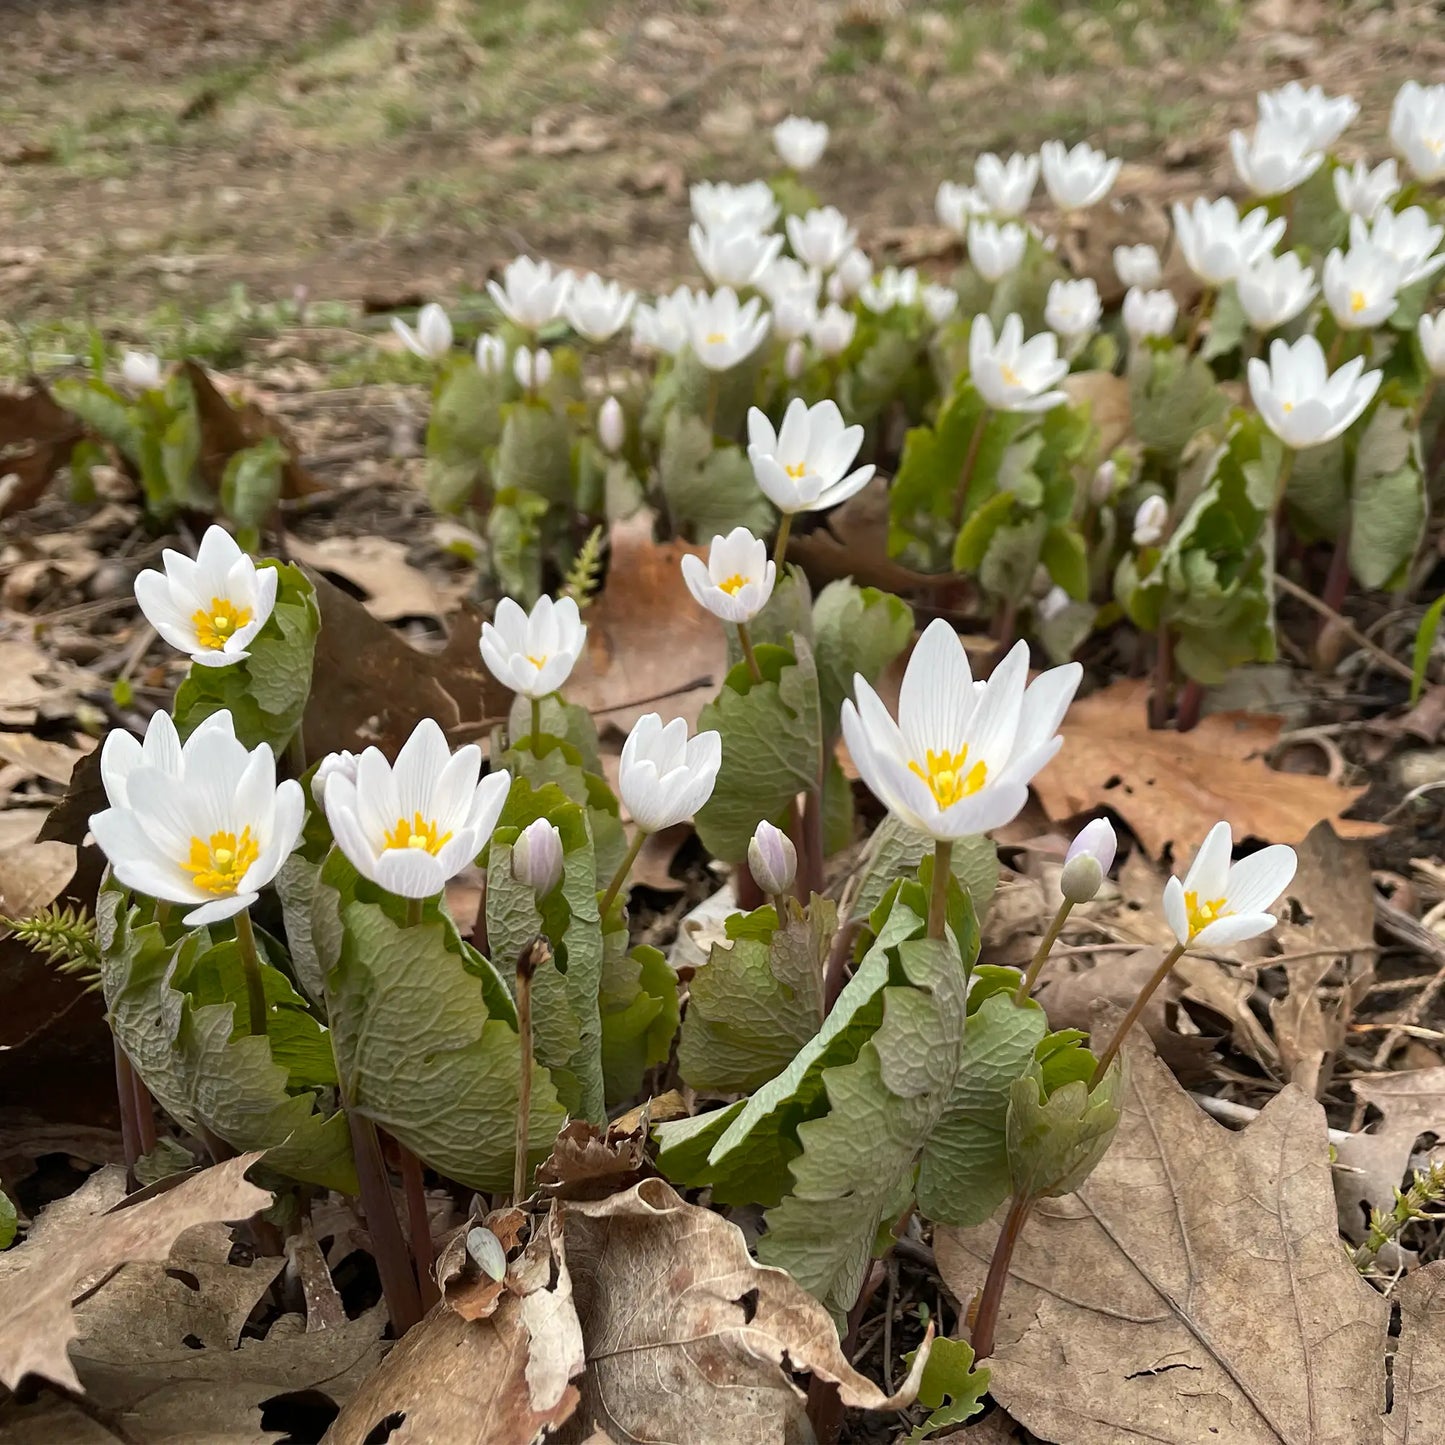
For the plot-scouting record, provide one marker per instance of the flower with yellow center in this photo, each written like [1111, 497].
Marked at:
[737, 579]
[1218, 902]
[533, 653]
[210, 607]
[996, 250]
[1362, 285]
[1012, 374]
[960, 756]
[722, 331]
[803, 465]
[1300, 400]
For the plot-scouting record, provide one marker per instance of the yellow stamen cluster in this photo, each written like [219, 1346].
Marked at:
[949, 777]
[1358, 301]
[419, 833]
[538, 662]
[218, 623]
[1201, 915]
[796, 470]
[715, 338]
[733, 585]
[1010, 376]
[219, 863]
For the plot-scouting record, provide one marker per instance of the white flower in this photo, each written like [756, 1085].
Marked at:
[735, 582]
[1150, 521]
[788, 277]
[432, 338]
[1275, 289]
[795, 358]
[533, 654]
[833, 329]
[772, 859]
[1220, 902]
[1079, 177]
[822, 237]
[1103, 482]
[1417, 128]
[793, 315]
[537, 859]
[1361, 286]
[531, 294]
[735, 255]
[1089, 858]
[202, 823]
[1431, 331]
[956, 204]
[611, 426]
[532, 369]
[212, 607]
[662, 326]
[1318, 118]
[721, 331]
[1012, 374]
[1149, 313]
[412, 825]
[800, 142]
[1273, 160]
[1137, 265]
[1052, 604]
[939, 303]
[995, 250]
[803, 467]
[1300, 402]
[1406, 235]
[1362, 191]
[141, 369]
[720, 205]
[597, 309]
[491, 355]
[890, 288]
[960, 757]
[1217, 243]
[665, 776]
[850, 275]
[1006, 185]
[332, 765]
[1073, 307]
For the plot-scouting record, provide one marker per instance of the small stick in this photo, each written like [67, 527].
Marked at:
[418, 1224]
[393, 1259]
[125, 1099]
[1377, 652]
[532, 957]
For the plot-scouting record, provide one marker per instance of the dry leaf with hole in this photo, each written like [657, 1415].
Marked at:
[1107, 397]
[590, 1163]
[1417, 1409]
[1193, 1290]
[36, 437]
[378, 567]
[1171, 788]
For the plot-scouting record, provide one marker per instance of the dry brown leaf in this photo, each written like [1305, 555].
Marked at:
[466, 1287]
[853, 542]
[32, 874]
[394, 588]
[41, 759]
[1194, 1290]
[36, 437]
[22, 667]
[1107, 397]
[1171, 788]
[590, 1163]
[39, 1278]
[1417, 1411]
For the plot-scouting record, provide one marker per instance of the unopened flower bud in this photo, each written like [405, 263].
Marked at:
[1089, 858]
[141, 369]
[342, 763]
[1150, 521]
[772, 859]
[532, 369]
[1105, 480]
[537, 857]
[491, 355]
[794, 358]
[611, 426]
[1052, 603]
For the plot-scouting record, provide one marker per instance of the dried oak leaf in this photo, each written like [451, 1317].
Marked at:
[466, 1286]
[394, 588]
[1417, 1412]
[1171, 788]
[1194, 1290]
[36, 438]
[66, 1255]
[590, 1163]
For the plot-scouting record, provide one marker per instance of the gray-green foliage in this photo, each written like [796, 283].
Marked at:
[1172, 396]
[895, 850]
[464, 428]
[1387, 499]
[708, 489]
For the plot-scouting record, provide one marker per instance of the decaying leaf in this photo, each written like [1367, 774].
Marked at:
[472, 1269]
[393, 587]
[590, 1163]
[1417, 1410]
[36, 435]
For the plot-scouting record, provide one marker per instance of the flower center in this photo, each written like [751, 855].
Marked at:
[1286, 406]
[218, 623]
[419, 833]
[796, 470]
[1010, 376]
[1201, 915]
[734, 584]
[538, 662]
[715, 338]
[949, 777]
[1358, 301]
[219, 863]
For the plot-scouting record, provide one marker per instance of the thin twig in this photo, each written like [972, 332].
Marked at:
[1390, 664]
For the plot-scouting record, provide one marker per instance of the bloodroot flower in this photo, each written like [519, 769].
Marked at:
[1220, 902]
[735, 582]
[533, 654]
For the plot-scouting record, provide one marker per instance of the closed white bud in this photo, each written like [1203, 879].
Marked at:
[491, 355]
[1053, 604]
[141, 369]
[343, 763]
[1104, 482]
[537, 857]
[794, 359]
[772, 859]
[611, 425]
[1081, 878]
[532, 369]
[1150, 521]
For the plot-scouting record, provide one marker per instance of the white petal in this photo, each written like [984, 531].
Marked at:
[1255, 882]
[219, 908]
[410, 872]
[1175, 911]
[936, 700]
[349, 836]
[377, 805]
[1208, 874]
[1233, 929]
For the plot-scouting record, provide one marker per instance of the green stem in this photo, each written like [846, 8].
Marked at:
[714, 391]
[527, 962]
[1206, 307]
[415, 908]
[1046, 944]
[745, 637]
[1135, 1009]
[536, 725]
[296, 753]
[965, 478]
[985, 1318]
[251, 967]
[1281, 482]
[1426, 397]
[780, 546]
[623, 869]
[938, 895]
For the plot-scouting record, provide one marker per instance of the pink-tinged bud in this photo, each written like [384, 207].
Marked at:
[1089, 858]
[611, 426]
[343, 763]
[772, 859]
[794, 359]
[537, 857]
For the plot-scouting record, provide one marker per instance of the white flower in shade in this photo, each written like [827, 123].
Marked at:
[491, 355]
[141, 369]
[960, 757]
[329, 767]
[803, 467]
[1406, 235]
[800, 142]
[1088, 860]
[1273, 160]
[956, 205]
[1053, 603]
[772, 859]
[1319, 118]
[1137, 265]
[411, 826]
[1219, 902]
[203, 824]
[1431, 331]
[850, 275]
[1275, 289]
[532, 369]
[1149, 313]
[1079, 177]
[531, 294]
[597, 309]
[787, 277]
[735, 255]
[1150, 521]
[822, 237]
[995, 250]
[1217, 243]
[890, 288]
[1362, 191]
[1103, 482]
[432, 338]
[611, 426]
[1012, 374]
[1417, 128]
[210, 607]
[833, 329]
[666, 776]
[1006, 186]
[939, 303]
[1301, 403]
[793, 315]
[724, 332]
[795, 358]
[1361, 286]
[735, 582]
[662, 326]
[1073, 307]
[533, 654]
[718, 205]
[537, 858]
